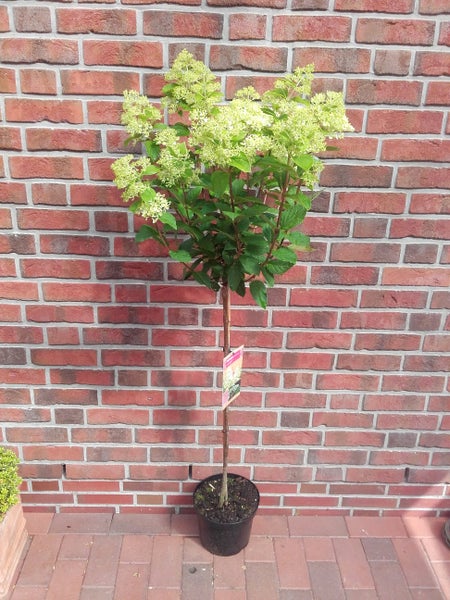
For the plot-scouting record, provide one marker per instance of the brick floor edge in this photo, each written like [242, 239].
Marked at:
[104, 556]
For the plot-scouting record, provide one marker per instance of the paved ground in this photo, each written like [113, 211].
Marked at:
[158, 557]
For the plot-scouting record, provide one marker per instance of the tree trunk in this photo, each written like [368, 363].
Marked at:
[226, 309]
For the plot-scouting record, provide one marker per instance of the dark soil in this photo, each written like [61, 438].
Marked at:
[243, 499]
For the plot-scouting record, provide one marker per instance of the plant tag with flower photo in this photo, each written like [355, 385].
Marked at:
[232, 370]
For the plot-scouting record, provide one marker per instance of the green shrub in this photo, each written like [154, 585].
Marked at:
[9, 480]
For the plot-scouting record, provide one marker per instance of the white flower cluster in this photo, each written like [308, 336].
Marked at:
[130, 177]
[139, 115]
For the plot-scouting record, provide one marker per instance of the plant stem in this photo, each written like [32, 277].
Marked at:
[226, 310]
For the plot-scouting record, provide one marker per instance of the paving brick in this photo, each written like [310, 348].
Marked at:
[197, 582]
[295, 595]
[291, 564]
[379, 549]
[37, 568]
[317, 526]
[165, 570]
[132, 581]
[193, 552]
[230, 595]
[81, 523]
[259, 549]
[184, 525]
[270, 525]
[261, 581]
[28, 593]
[289, 558]
[103, 561]
[442, 571]
[76, 545]
[414, 563]
[353, 565]
[376, 527]
[143, 524]
[361, 595]
[319, 549]
[423, 527]
[325, 581]
[89, 593]
[136, 549]
[436, 550]
[426, 594]
[67, 580]
[229, 571]
[38, 522]
[389, 581]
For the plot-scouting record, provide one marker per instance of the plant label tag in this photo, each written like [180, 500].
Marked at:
[232, 370]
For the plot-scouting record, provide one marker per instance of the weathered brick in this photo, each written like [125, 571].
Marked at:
[422, 177]
[7, 81]
[434, 7]
[32, 19]
[38, 81]
[4, 19]
[253, 58]
[98, 82]
[27, 110]
[434, 150]
[402, 6]
[332, 60]
[404, 121]
[244, 26]
[379, 91]
[37, 50]
[184, 24]
[81, 140]
[294, 28]
[390, 31]
[392, 62]
[104, 21]
[432, 63]
[135, 54]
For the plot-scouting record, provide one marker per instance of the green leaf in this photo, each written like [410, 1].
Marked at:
[250, 265]
[235, 276]
[181, 129]
[304, 161]
[147, 232]
[152, 149]
[148, 194]
[285, 255]
[242, 163]
[299, 240]
[292, 216]
[180, 255]
[219, 183]
[277, 267]
[268, 276]
[237, 187]
[259, 293]
[203, 279]
[230, 215]
[255, 244]
[150, 170]
[169, 220]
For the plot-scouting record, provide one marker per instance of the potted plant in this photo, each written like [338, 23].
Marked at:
[13, 534]
[224, 189]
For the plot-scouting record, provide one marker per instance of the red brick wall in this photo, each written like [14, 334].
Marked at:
[110, 364]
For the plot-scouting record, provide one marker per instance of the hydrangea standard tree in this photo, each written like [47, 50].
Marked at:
[226, 188]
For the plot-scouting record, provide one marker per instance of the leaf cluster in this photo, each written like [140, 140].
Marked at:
[9, 480]
[237, 176]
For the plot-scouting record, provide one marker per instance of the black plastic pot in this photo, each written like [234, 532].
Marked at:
[220, 537]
